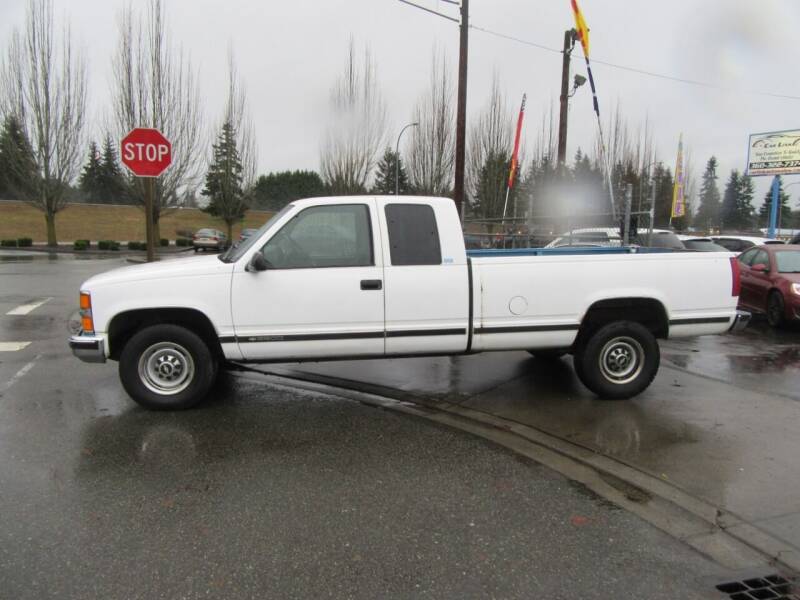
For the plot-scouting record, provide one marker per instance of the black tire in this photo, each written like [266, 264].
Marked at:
[776, 309]
[548, 353]
[167, 367]
[618, 361]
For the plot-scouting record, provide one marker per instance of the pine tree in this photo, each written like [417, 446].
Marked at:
[385, 177]
[18, 170]
[708, 213]
[744, 207]
[662, 178]
[275, 190]
[89, 180]
[737, 202]
[784, 212]
[110, 177]
[224, 180]
[490, 190]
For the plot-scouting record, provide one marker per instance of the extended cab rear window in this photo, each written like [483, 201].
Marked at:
[413, 236]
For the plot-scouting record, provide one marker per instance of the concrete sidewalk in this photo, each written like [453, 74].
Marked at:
[733, 448]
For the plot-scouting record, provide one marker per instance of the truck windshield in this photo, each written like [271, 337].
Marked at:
[236, 252]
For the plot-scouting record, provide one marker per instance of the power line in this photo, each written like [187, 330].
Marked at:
[606, 63]
[639, 71]
[433, 12]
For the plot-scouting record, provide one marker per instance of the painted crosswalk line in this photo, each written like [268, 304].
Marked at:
[24, 309]
[12, 346]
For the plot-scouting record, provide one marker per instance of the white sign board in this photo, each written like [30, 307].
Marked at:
[774, 153]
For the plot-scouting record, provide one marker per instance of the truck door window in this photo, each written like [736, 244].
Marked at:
[323, 236]
[413, 236]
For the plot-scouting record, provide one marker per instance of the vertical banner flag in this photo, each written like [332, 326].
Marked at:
[582, 33]
[515, 154]
[678, 199]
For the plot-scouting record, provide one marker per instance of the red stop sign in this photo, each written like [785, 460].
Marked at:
[146, 152]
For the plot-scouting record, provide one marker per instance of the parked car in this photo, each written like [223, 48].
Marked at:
[246, 233]
[209, 239]
[795, 239]
[771, 282]
[740, 243]
[701, 244]
[609, 236]
[365, 276]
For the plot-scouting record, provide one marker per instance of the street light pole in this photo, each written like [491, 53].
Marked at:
[569, 43]
[397, 159]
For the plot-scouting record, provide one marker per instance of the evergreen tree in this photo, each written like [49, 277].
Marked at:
[785, 213]
[18, 170]
[662, 179]
[745, 212]
[89, 181]
[385, 177]
[737, 202]
[224, 180]
[275, 190]
[111, 179]
[708, 213]
[490, 192]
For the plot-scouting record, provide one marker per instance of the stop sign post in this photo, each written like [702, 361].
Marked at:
[147, 153]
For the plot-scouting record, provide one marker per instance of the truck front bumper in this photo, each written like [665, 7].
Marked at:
[89, 348]
[740, 321]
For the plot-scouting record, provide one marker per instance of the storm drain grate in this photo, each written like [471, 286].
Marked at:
[772, 587]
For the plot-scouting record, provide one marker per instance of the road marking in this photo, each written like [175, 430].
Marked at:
[19, 375]
[12, 346]
[24, 309]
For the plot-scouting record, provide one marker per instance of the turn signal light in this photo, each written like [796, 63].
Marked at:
[736, 276]
[87, 323]
[86, 301]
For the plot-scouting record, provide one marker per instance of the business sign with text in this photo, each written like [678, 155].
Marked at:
[774, 153]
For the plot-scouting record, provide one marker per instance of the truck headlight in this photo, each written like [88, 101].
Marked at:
[796, 288]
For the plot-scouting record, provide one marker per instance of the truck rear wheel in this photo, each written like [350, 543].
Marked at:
[618, 361]
[167, 367]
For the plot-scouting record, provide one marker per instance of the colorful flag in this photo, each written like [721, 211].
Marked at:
[581, 28]
[678, 199]
[515, 154]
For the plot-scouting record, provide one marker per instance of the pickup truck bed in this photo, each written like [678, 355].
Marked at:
[383, 276]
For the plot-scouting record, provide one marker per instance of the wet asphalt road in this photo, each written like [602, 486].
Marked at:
[269, 492]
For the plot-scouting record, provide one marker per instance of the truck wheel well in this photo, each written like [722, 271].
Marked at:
[124, 325]
[646, 311]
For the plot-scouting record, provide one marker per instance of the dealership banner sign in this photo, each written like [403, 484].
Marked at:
[774, 153]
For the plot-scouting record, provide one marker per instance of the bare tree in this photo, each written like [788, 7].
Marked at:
[432, 153]
[44, 87]
[488, 149]
[237, 113]
[155, 86]
[358, 126]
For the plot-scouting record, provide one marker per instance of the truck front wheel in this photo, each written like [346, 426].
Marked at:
[167, 367]
[619, 360]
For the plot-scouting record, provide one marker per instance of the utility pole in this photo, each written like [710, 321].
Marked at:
[461, 111]
[569, 44]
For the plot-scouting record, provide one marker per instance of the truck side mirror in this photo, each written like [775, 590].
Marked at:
[257, 263]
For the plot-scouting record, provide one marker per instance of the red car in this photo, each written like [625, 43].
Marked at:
[771, 282]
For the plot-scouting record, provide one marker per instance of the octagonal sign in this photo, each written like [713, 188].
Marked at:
[146, 152]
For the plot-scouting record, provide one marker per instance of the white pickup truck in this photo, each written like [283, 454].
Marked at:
[365, 277]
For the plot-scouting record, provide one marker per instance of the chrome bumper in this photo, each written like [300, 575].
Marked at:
[88, 348]
[740, 321]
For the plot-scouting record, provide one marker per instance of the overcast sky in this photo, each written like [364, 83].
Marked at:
[289, 53]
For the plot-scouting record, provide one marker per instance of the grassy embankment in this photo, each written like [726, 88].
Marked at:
[107, 222]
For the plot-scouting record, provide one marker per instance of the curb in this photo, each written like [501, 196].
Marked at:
[728, 539]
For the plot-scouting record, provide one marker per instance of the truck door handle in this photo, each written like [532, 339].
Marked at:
[371, 284]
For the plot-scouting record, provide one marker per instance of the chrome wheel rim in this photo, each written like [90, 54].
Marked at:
[621, 360]
[166, 368]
